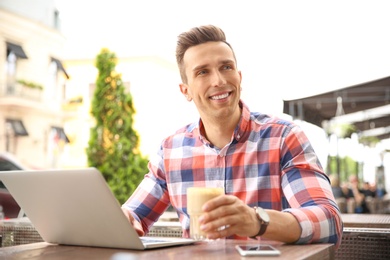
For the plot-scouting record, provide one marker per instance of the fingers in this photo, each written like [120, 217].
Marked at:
[218, 202]
[219, 222]
[128, 215]
[137, 226]
[221, 207]
[222, 226]
[220, 233]
[227, 215]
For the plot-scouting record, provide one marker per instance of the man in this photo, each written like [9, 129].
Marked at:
[355, 196]
[274, 184]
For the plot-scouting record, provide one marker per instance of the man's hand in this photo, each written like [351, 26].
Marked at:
[241, 220]
[227, 215]
[134, 222]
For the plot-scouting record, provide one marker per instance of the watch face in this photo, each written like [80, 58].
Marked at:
[263, 215]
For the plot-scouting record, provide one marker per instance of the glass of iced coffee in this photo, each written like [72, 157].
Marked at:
[196, 197]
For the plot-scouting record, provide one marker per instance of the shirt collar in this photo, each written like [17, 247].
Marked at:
[240, 129]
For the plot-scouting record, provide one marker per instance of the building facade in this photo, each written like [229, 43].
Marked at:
[32, 83]
[45, 96]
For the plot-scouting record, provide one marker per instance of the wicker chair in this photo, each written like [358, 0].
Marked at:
[364, 243]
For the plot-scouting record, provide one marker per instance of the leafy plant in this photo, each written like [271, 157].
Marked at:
[113, 145]
[341, 130]
[343, 166]
[30, 84]
[369, 140]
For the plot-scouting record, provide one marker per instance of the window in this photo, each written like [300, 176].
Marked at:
[53, 89]
[14, 52]
[13, 129]
[17, 127]
[58, 134]
[11, 73]
[52, 81]
[17, 50]
[57, 141]
[56, 19]
[60, 67]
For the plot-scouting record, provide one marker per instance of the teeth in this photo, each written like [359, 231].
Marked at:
[220, 96]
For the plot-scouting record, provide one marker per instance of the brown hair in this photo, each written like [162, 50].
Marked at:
[196, 36]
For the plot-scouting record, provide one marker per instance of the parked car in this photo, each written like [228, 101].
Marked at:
[8, 162]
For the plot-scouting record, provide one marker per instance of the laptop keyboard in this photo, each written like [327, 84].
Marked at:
[151, 240]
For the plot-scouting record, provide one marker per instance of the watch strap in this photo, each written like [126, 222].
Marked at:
[263, 225]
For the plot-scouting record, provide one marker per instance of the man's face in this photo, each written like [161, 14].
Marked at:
[214, 83]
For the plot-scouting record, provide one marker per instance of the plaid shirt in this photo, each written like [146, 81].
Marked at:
[268, 163]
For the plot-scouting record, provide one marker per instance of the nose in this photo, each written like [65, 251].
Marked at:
[217, 79]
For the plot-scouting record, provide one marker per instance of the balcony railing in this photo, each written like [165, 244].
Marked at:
[22, 91]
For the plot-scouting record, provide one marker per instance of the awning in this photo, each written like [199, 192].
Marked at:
[17, 50]
[17, 126]
[366, 106]
[60, 66]
[61, 133]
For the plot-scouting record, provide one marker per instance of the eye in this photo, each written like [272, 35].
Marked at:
[227, 67]
[201, 72]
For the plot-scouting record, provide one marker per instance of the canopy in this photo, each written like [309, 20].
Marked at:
[366, 106]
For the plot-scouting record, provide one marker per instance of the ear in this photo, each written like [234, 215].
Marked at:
[184, 91]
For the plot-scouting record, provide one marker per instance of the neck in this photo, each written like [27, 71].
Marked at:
[219, 132]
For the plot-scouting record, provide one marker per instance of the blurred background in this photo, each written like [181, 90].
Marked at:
[286, 50]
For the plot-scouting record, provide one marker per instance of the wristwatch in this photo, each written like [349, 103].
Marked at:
[263, 217]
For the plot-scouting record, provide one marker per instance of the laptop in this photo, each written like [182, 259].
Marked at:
[77, 207]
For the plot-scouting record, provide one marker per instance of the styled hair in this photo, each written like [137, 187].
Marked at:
[196, 36]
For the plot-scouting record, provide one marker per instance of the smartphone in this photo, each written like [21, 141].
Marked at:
[257, 250]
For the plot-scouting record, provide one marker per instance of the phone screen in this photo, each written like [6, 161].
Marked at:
[257, 248]
[248, 250]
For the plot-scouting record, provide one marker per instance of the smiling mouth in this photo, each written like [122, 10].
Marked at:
[219, 97]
